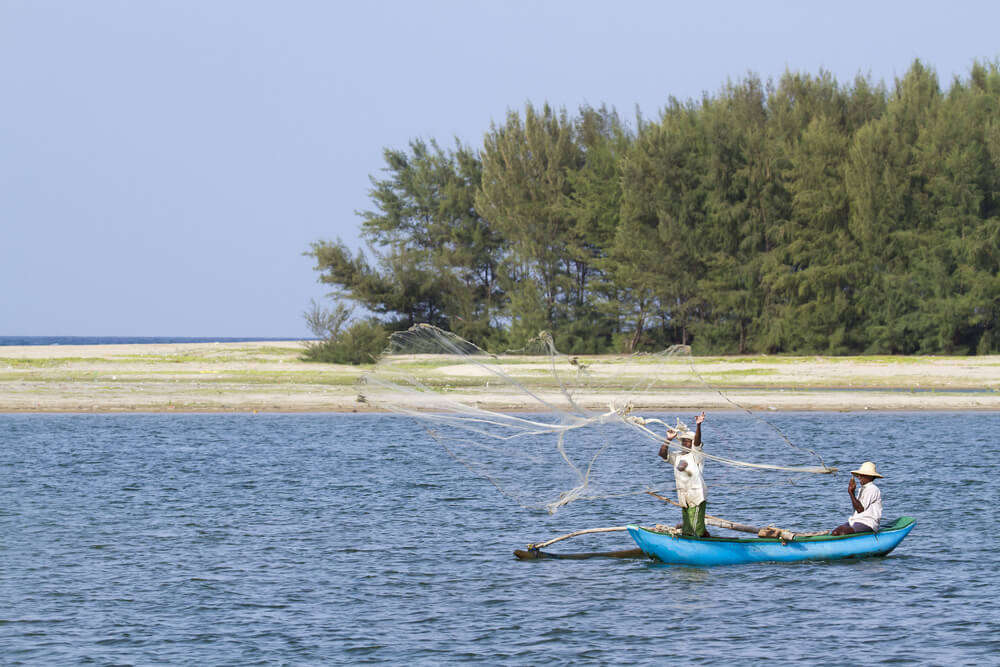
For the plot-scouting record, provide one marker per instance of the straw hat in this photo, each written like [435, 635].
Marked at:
[687, 435]
[867, 469]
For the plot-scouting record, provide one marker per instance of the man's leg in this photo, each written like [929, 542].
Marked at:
[699, 526]
[689, 518]
[842, 529]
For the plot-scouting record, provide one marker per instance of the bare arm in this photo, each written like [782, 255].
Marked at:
[665, 447]
[858, 507]
[697, 429]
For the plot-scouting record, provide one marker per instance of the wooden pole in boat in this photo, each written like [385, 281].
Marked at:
[713, 520]
[768, 531]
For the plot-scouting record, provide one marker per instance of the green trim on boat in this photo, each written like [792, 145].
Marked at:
[901, 522]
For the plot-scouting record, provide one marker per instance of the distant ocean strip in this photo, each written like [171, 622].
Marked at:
[126, 340]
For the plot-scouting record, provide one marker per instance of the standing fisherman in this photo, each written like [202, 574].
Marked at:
[691, 489]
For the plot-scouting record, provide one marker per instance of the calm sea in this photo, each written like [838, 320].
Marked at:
[122, 340]
[311, 539]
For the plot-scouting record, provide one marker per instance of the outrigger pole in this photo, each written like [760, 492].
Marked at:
[534, 551]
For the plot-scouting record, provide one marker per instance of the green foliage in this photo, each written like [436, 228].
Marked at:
[338, 343]
[435, 259]
[360, 343]
[797, 216]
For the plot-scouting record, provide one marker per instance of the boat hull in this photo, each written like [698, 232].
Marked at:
[682, 550]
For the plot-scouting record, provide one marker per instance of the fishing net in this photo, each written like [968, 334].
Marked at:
[547, 429]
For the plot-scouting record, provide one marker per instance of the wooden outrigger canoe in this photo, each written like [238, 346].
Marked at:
[705, 551]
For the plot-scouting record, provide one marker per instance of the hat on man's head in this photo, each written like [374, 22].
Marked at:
[867, 469]
[687, 435]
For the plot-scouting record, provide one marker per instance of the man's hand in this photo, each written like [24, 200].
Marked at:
[851, 486]
[671, 433]
[700, 418]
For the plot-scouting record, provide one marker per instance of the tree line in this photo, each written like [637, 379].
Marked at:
[797, 216]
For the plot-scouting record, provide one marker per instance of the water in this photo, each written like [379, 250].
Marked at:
[124, 340]
[208, 539]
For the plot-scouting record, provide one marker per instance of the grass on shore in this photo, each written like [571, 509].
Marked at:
[262, 365]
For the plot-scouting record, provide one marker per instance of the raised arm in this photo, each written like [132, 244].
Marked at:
[665, 447]
[697, 429]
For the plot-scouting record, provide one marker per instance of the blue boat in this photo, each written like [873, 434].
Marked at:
[704, 551]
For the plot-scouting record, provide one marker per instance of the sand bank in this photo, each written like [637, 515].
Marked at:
[270, 376]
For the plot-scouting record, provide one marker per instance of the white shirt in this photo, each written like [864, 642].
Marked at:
[871, 500]
[691, 489]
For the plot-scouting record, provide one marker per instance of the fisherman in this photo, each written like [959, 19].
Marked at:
[867, 504]
[691, 489]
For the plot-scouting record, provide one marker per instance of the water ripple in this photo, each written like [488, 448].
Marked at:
[308, 539]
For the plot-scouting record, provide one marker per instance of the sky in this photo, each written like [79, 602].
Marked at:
[164, 165]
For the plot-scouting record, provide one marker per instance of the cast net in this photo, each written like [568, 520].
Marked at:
[547, 429]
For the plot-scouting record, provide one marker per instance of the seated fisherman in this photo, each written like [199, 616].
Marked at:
[867, 504]
[691, 489]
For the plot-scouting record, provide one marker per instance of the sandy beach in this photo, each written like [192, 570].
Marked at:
[270, 376]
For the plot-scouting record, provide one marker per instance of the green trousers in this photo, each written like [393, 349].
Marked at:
[694, 519]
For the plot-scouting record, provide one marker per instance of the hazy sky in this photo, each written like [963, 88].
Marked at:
[164, 165]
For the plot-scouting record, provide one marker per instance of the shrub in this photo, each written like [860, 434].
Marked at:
[360, 343]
